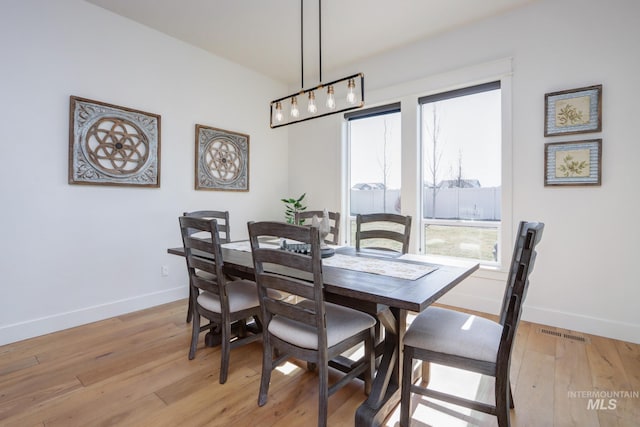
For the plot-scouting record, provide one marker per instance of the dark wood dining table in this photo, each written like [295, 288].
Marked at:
[389, 298]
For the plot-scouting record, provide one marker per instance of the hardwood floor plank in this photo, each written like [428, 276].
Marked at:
[21, 397]
[608, 375]
[630, 356]
[133, 370]
[534, 394]
[208, 405]
[205, 371]
[571, 366]
[18, 365]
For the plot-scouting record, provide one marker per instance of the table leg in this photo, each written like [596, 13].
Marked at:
[426, 373]
[385, 392]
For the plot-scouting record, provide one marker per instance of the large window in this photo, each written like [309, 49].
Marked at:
[461, 173]
[374, 153]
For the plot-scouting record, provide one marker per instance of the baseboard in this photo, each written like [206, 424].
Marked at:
[45, 325]
[575, 322]
[588, 324]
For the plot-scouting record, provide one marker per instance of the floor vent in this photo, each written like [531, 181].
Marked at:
[573, 337]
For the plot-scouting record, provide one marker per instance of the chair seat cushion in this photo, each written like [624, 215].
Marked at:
[342, 323]
[243, 294]
[454, 333]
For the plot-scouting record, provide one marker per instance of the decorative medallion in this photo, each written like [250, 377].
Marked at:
[113, 145]
[222, 160]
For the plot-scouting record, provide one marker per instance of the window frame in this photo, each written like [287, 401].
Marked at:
[408, 93]
[380, 110]
[505, 149]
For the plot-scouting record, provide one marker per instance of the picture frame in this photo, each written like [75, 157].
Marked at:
[573, 111]
[113, 145]
[221, 159]
[573, 163]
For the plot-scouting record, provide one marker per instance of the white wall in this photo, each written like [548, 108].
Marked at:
[76, 254]
[585, 277]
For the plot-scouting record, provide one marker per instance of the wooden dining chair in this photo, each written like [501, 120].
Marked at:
[305, 327]
[223, 302]
[334, 219]
[464, 341]
[383, 231]
[222, 218]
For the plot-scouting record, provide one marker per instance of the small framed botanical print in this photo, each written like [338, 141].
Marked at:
[573, 163]
[573, 111]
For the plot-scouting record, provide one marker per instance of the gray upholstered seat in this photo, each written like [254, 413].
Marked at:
[213, 295]
[242, 295]
[342, 323]
[464, 341]
[222, 221]
[453, 332]
[311, 330]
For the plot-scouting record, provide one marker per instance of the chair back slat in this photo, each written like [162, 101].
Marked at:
[279, 270]
[372, 228]
[334, 220]
[288, 285]
[197, 243]
[524, 255]
[299, 312]
[222, 218]
[203, 264]
[291, 260]
[204, 256]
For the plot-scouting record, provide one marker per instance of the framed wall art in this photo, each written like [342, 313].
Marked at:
[573, 163]
[573, 111]
[113, 145]
[222, 160]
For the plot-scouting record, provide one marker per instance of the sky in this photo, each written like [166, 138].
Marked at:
[469, 129]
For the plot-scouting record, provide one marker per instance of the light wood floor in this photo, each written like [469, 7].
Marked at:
[133, 370]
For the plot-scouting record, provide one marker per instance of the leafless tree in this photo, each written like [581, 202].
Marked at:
[385, 164]
[433, 153]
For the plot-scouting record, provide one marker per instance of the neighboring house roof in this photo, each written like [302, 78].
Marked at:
[462, 183]
[454, 183]
[368, 186]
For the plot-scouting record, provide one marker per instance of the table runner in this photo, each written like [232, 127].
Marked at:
[380, 266]
[245, 245]
[384, 267]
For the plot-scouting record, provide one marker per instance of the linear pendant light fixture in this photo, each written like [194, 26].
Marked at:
[334, 97]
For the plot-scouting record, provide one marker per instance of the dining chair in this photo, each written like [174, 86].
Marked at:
[385, 231]
[464, 341]
[334, 219]
[305, 327]
[222, 218]
[223, 302]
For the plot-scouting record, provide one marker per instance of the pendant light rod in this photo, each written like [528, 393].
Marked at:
[301, 45]
[320, 40]
[337, 96]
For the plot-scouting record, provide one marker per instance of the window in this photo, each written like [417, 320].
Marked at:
[461, 172]
[374, 153]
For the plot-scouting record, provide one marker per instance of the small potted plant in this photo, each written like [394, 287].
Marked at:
[293, 206]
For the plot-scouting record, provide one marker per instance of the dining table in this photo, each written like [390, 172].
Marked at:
[388, 287]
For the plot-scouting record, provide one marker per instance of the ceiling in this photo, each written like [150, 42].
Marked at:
[264, 35]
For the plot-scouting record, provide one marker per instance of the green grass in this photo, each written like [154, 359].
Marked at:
[460, 241]
[447, 240]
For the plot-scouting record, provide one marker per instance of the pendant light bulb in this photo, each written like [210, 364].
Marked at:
[312, 103]
[279, 116]
[331, 100]
[294, 108]
[351, 94]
